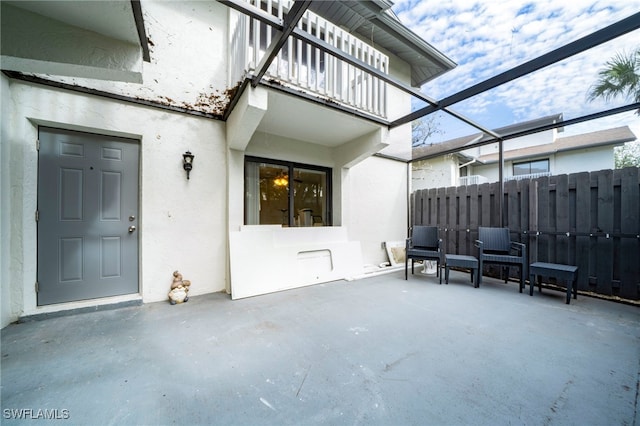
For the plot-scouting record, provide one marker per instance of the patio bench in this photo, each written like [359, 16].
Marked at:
[560, 272]
[461, 261]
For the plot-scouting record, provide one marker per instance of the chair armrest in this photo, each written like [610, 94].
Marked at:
[519, 247]
[407, 244]
[479, 244]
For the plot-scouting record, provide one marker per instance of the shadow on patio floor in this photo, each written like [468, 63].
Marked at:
[380, 350]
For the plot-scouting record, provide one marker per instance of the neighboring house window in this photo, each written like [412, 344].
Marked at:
[286, 193]
[531, 167]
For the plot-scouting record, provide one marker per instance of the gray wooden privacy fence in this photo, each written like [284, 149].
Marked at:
[591, 220]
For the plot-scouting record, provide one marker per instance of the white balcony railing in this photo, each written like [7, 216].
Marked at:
[528, 176]
[472, 180]
[304, 67]
[479, 179]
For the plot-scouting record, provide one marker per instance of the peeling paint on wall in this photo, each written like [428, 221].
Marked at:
[186, 43]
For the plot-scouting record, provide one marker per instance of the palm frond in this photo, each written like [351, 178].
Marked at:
[619, 79]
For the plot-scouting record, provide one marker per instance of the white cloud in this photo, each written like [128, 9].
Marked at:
[487, 38]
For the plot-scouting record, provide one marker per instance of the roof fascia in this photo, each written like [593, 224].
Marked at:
[396, 28]
[594, 116]
[513, 155]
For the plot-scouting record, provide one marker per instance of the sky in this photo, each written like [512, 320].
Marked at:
[486, 38]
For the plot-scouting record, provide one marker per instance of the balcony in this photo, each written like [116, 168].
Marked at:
[528, 176]
[479, 179]
[303, 67]
[472, 180]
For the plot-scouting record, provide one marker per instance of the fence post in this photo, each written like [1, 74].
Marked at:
[533, 221]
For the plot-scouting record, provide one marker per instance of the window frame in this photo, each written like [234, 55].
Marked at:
[529, 163]
[292, 165]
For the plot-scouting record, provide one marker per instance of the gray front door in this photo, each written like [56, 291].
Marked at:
[87, 216]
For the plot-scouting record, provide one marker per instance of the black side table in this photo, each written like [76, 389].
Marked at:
[566, 273]
[461, 261]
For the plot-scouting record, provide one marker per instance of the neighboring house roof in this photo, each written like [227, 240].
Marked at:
[465, 142]
[375, 22]
[615, 136]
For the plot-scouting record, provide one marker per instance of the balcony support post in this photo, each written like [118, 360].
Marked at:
[501, 181]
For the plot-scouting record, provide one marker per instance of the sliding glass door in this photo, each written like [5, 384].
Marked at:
[285, 193]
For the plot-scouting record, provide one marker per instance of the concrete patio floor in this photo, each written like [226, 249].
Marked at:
[379, 350]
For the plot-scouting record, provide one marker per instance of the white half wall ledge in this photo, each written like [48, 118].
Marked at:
[266, 259]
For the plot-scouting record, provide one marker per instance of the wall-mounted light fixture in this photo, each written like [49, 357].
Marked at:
[187, 162]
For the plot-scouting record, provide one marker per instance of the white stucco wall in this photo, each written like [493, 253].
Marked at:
[5, 203]
[540, 138]
[583, 160]
[566, 162]
[182, 223]
[33, 43]
[376, 205]
[434, 173]
[185, 224]
[187, 41]
[398, 105]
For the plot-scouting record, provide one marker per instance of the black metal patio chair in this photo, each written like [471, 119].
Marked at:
[423, 244]
[495, 247]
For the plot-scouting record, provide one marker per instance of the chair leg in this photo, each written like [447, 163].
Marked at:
[521, 278]
[532, 283]
[406, 267]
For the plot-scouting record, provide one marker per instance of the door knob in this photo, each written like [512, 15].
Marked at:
[132, 228]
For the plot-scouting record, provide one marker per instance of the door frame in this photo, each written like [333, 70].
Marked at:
[30, 291]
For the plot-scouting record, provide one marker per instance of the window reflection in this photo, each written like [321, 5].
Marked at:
[286, 193]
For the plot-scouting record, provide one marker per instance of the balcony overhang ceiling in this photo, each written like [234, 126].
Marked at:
[288, 116]
[53, 37]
